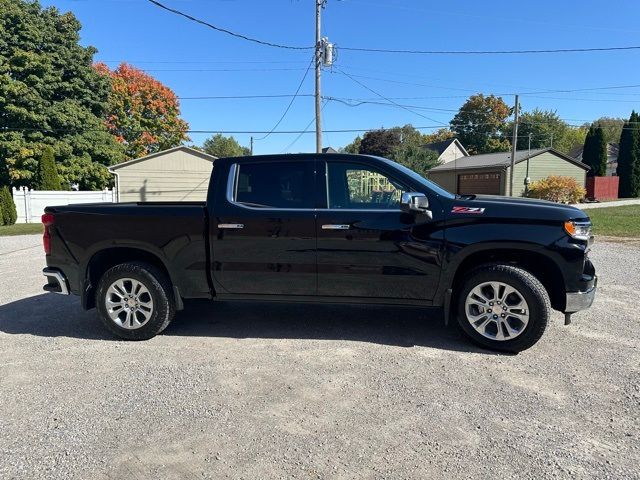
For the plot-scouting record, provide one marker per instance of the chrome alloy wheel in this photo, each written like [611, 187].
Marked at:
[497, 311]
[129, 303]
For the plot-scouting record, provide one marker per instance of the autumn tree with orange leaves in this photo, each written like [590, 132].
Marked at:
[143, 114]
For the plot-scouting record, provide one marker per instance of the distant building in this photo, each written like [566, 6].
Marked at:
[176, 174]
[448, 150]
[329, 150]
[612, 157]
[489, 173]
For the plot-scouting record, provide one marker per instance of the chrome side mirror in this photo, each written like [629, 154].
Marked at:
[415, 202]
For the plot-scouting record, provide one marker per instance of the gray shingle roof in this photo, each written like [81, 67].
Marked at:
[500, 159]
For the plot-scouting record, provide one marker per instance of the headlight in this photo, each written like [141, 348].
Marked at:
[578, 229]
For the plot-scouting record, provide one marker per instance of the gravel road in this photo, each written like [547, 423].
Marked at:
[294, 391]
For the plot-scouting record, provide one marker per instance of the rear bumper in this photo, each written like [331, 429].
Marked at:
[577, 301]
[56, 281]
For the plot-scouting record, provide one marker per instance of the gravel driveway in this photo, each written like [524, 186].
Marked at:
[273, 391]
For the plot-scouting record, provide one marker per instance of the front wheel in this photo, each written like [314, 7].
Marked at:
[135, 301]
[503, 307]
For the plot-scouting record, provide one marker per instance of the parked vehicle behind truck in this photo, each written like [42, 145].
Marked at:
[326, 228]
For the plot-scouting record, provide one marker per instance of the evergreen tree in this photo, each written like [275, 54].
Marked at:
[594, 153]
[599, 165]
[47, 174]
[8, 213]
[629, 158]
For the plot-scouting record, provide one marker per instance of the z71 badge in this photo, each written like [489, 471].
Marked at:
[472, 210]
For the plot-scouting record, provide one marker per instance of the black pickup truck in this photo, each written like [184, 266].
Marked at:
[326, 228]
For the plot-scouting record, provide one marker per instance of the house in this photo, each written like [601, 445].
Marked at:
[329, 150]
[490, 173]
[447, 150]
[612, 157]
[177, 174]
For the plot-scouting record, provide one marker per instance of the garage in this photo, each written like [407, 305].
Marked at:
[490, 173]
[480, 183]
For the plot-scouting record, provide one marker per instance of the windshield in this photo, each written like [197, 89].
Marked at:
[420, 179]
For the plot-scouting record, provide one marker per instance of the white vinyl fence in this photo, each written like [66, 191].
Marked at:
[30, 204]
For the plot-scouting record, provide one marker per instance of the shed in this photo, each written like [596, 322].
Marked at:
[177, 174]
[489, 173]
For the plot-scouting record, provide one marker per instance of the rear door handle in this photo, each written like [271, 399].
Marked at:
[336, 227]
[231, 226]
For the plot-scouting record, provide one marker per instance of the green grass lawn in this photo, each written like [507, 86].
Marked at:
[616, 221]
[20, 229]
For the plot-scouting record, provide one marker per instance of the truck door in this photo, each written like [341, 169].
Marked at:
[367, 247]
[264, 235]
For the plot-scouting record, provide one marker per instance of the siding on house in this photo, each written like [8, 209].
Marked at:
[452, 152]
[174, 175]
[541, 166]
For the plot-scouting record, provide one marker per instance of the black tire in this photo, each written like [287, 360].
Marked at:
[530, 289]
[159, 287]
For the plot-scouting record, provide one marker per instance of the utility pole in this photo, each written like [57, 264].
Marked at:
[318, 60]
[251, 148]
[514, 145]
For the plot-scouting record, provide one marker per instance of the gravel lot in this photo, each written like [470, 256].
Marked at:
[274, 391]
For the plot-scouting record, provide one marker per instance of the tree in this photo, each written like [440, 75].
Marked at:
[416, 157]
[143, 114]
[480, 124]
[629, 158]
[572, 139]
[353, 147]
[439, 135]
[8, 214]
[612, 128]
[221, 146]
[381, 142]
[50, 94]
[594, 153]
[544, 126]
[47, 174]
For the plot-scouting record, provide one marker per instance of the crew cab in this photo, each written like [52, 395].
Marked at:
[326, 228]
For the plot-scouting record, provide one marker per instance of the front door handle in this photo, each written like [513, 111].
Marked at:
[231, 226]
[336, 227]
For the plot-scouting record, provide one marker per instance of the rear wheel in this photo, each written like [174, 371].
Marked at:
[135, 300]
[503, 307]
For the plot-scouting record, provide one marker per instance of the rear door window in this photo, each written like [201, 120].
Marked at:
[287, 185]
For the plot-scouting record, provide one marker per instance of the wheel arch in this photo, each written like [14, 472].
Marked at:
[539, 264]
[104, 259]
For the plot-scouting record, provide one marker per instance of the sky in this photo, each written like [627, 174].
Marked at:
[195, 61]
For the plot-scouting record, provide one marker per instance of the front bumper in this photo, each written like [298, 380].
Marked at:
[56, 281]
[577, 301]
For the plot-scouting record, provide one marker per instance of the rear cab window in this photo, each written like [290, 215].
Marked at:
[275, 185]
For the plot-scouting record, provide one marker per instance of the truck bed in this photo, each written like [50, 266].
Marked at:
[175, 232]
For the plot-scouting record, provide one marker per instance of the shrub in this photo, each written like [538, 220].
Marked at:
[8, 214]
[557, 189]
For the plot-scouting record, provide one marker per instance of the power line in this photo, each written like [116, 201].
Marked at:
[354, 102]
[295, 95]
[306, 130]
[489, 52]
[224, 30]
[240, 97]
[383, 97]
[191, 70]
